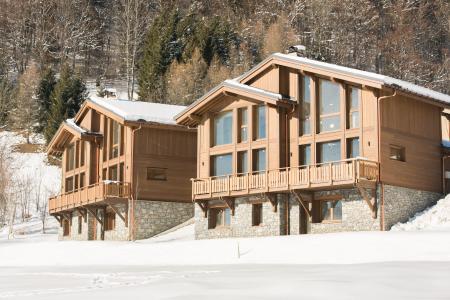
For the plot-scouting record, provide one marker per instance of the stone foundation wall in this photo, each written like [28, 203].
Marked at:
[120, 231]
[86, 230]
[402, 203]
[153, 217]
[356, 214]
[273, 223]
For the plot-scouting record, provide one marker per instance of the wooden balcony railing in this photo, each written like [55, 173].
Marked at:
[88, 195]
[337, 173]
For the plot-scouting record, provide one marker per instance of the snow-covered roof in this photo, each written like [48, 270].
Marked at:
[235, 84]
[71, 123]
[382, 79]
[139, 111]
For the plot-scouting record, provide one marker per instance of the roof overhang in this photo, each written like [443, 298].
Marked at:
[191, 116]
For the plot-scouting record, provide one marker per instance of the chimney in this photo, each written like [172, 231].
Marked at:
[297, 50]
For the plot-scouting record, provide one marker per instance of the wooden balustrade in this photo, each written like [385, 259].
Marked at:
[89, 194]
[312, 176]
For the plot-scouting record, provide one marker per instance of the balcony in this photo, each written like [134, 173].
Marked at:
[93, 194]
[334, 174]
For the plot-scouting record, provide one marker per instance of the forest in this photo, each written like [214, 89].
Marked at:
[174, 51]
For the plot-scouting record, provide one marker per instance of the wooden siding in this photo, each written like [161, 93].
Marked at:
[416, 126]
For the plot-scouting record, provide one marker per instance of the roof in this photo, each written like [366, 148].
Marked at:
[355, 73]
[71, 123]
[137, 111]
[233, 87]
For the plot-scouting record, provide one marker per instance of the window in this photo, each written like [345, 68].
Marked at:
[257, 214]
[329, 106]
[219, 217]
[329, 151]
[353, 100]
[331, 211]
[105, 140]
[305, 125]
[305, 155]
[82, 153]
[221, 165]
[115, 136]
[259, 160]
[243, 124]
[69, 184]
[352, 148]
[223, 124]
[80, 224]
[66, 227]
[77, 154]
[104, 172]
[397, 153]
[82, 180]
[113, 173]
[122, 172]
[159, 174]
[110, 221]
[70, 159]
[260, 122]
[242, 162]
[77, 181]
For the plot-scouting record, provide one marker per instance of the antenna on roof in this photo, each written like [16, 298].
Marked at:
[297, 50]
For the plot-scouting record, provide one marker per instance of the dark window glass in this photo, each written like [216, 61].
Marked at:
[329, 151]
[259, 159]
[305, 155]
[353, 148]
[222, 165]
[223, 124]
[157, 174]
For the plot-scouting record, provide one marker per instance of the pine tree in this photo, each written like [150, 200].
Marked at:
[44, 91]
[66, 100]
[6, 95]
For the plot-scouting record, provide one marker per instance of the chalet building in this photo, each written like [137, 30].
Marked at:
[298, 146]
[125, 171]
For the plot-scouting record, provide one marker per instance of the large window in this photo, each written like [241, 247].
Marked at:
[115, 139]
[259, 160]
[243, 124]
[221, 164]
[219, 217]
[329, 106]
[223, 124]
[331, 211]
[305, 120]
[305, 155]
[353, 100]
[353, 148]
[70, 158]
[328, 151]
[260, 124]
[242, 163]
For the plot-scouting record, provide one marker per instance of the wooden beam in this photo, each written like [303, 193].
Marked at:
[302, 202]
[117, 212]
[273, 200]
[335, 197]
[204, 207]
[93, 214]
[369, 198]
[83, 213]
[230, 203]
[59, 219]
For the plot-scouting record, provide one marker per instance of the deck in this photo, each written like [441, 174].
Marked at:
[90, 195]
[327, 175]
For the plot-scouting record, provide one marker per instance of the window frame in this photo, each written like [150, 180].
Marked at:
[350, 109]
[114, 145]
[255, 159]
[402, 151]
[301, 152]
[214, 126]
[257, 214]
[153, 178]
[302, 117]
[243, 127]
[70, 157]
[333, 219]
[327, 115]
[213, 217]
[80, 225]
[319, 150]
[213, 164]
[110, 221]
[349, 146]
[257, 133]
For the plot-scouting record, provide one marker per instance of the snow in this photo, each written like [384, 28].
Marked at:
[382, 79]
[436, 217]
[138, 110]
[71, 123]
[235, 84]
[446, 143]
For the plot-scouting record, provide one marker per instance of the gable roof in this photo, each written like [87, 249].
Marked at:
[350, 74]
[229, 87]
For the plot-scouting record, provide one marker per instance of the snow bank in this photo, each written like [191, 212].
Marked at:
[436, 217]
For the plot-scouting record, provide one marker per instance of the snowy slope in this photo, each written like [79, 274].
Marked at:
[436, 217]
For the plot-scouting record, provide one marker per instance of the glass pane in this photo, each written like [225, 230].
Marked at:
[326, 210]
[306, 105]
[354, 98]
[330, 151]
[244, 134]
[222, 165]
[354, 119]
[115, 137]
[337, 210]
[305, 155]
[227, 219]
[219, 218]
[329, 97]
[243, 124]
[330, 123]
[259, 160]
[353, 148]
[223, 124]
[261, 122]
[243, 113]
[243, 162]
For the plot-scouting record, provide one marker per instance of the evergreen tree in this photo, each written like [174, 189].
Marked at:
[66, 100]
[6, 95]
[44, 91]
